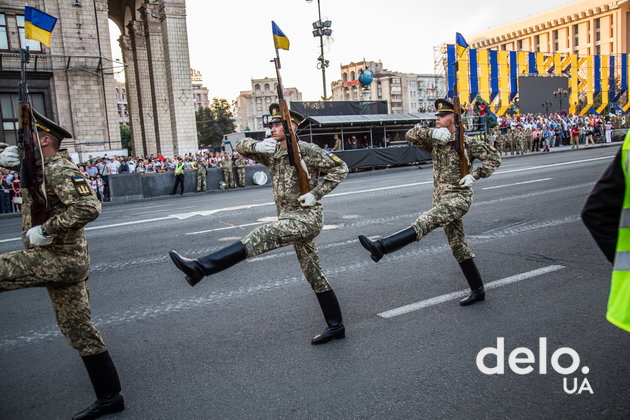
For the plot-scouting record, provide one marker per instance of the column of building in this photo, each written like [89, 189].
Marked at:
[135, 123]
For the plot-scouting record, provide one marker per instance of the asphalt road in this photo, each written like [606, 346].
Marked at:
[238, 344]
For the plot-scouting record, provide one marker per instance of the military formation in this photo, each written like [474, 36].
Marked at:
[56, 255]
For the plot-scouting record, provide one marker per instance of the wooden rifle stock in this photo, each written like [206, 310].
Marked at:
[461, 149]
[295, 157]
[28, 159]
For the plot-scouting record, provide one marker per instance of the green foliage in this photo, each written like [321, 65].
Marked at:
[125, 137]
[214, 122]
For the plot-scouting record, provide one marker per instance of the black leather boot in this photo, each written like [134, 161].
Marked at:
[104, 378]
[389, 244]
[477, 292]
[332, 314]
[196, 269]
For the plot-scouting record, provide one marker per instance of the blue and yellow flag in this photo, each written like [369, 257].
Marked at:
[280, 40]
[38, 25]
[460, 44]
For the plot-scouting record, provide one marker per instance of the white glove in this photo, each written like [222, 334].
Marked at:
[307, 200]
[10, 157]
[266, 146]
[442, 134]
[36, 237]
[467, 181]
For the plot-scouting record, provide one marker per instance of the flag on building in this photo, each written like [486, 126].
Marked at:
[460, 44]
[38, 25]
[280, 40]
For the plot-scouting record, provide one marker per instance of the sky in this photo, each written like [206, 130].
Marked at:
[230, 42]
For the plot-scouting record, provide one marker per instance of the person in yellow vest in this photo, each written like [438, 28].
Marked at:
[179, 176]
[606, 215]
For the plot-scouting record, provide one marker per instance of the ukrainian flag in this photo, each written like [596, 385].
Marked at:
[280, 40]
[38, 25]
[460, 44]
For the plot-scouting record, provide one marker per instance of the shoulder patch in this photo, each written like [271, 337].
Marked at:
[334, 157]
[81, 185]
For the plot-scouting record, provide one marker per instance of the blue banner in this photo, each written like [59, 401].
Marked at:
[474, 75]
[611, 78]
[532, 63]
[624, 77]
[450, 56]
[513, 75]
[494, 74]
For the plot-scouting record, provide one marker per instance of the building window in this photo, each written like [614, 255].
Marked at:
[597, 30]
[351, 75]
[34, 45]
[537, 43]
[9, 114]
[257, 89]
[345, 77]
[4, 39]
[588, 32]
[520, 44]
[598, 50]
[555, 40]
[267, 89]
[576, 36]
[612, 29]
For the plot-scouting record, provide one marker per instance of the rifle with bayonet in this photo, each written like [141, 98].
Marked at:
[27, 136]
[293, 147]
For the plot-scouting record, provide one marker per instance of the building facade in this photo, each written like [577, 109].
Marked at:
[72, 82]
[200, 92]
[404, 92]
[121, 101]
[252, 105]
[584, 28]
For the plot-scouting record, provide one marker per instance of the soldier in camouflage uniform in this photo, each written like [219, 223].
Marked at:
[226, 165]
[452, 196]
[528, 140]
[240, 170]
[300, 218]
[56, 257]
[519, 140]
[201, 175]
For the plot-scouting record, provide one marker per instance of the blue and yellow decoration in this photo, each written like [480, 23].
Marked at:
[38, 25]
[491, 74]
[280, 40]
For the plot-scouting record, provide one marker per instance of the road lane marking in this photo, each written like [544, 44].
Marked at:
[551, 165]
[462, 293]
[517, 183]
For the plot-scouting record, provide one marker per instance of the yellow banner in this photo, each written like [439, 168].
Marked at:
[462, 78]
[590, 84]
[557, 64]
[574, 84]
[484, 75]
[540, 63]
[604, 82]
[504, 81]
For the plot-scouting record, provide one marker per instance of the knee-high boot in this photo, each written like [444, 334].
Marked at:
[389, 244]
[196, 269]
[332, 314]
[104, 378]
[477, 292]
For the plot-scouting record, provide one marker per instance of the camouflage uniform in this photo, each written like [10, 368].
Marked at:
[296, 225]
[519, 140]
[451, 201]
[240, 170]
[61, 267]
[201, 176]
[226, 165]
[528, 141]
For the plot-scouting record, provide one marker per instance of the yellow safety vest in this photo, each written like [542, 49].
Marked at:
[619, 300]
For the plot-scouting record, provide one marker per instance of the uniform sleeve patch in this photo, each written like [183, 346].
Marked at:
[334, 157]
[81, 185]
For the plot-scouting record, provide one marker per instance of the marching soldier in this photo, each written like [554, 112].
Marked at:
[226, 165]
[56, 257]
[240, 170]
[452, 196]
[201, 174]
[300, 218]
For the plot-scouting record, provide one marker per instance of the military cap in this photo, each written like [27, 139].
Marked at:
[443, 106]
[274, 110]
[50, 126]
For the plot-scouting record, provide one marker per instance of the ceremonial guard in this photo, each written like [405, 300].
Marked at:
[240, 170]
[56, 257]
[226, 165]
[300, 218]
[201, 175]
[452, 196]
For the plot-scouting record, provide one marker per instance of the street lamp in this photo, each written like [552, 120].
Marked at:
[321, 29]
[546, 105]
[560, 93]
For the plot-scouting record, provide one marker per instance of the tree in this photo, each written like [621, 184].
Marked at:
[214, 122]
[125, 137]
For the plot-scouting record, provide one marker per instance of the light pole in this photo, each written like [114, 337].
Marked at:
[560, 93]
[321, 29]
[547, 104]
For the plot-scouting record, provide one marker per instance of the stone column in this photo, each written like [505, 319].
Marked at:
[175, 42]
[143, 86]
[135, 123]
[155, 50]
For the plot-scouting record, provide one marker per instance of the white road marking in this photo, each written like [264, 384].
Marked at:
[459, 294]
[551, 165]
[517, 183]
